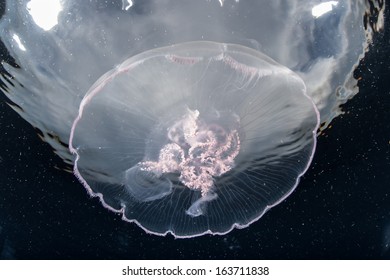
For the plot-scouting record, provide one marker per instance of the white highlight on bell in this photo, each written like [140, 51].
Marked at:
[323, 8]
[45, 12]
[222, 1]
[19, 42]
[127, 4]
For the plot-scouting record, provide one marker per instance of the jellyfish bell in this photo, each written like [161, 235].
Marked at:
[194, 138]
[202, 138]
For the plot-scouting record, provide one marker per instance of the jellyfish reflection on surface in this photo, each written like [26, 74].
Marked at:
[144, 74]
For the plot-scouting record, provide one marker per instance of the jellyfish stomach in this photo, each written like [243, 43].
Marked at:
[197, 151]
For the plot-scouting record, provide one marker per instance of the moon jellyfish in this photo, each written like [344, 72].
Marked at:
[193, 138]
[188, 117]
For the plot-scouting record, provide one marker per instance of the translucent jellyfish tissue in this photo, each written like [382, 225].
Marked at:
[187, 117]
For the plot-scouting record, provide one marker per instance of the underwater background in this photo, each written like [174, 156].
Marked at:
[340, 210]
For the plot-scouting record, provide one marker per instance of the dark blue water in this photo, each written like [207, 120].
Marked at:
[340, 210]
